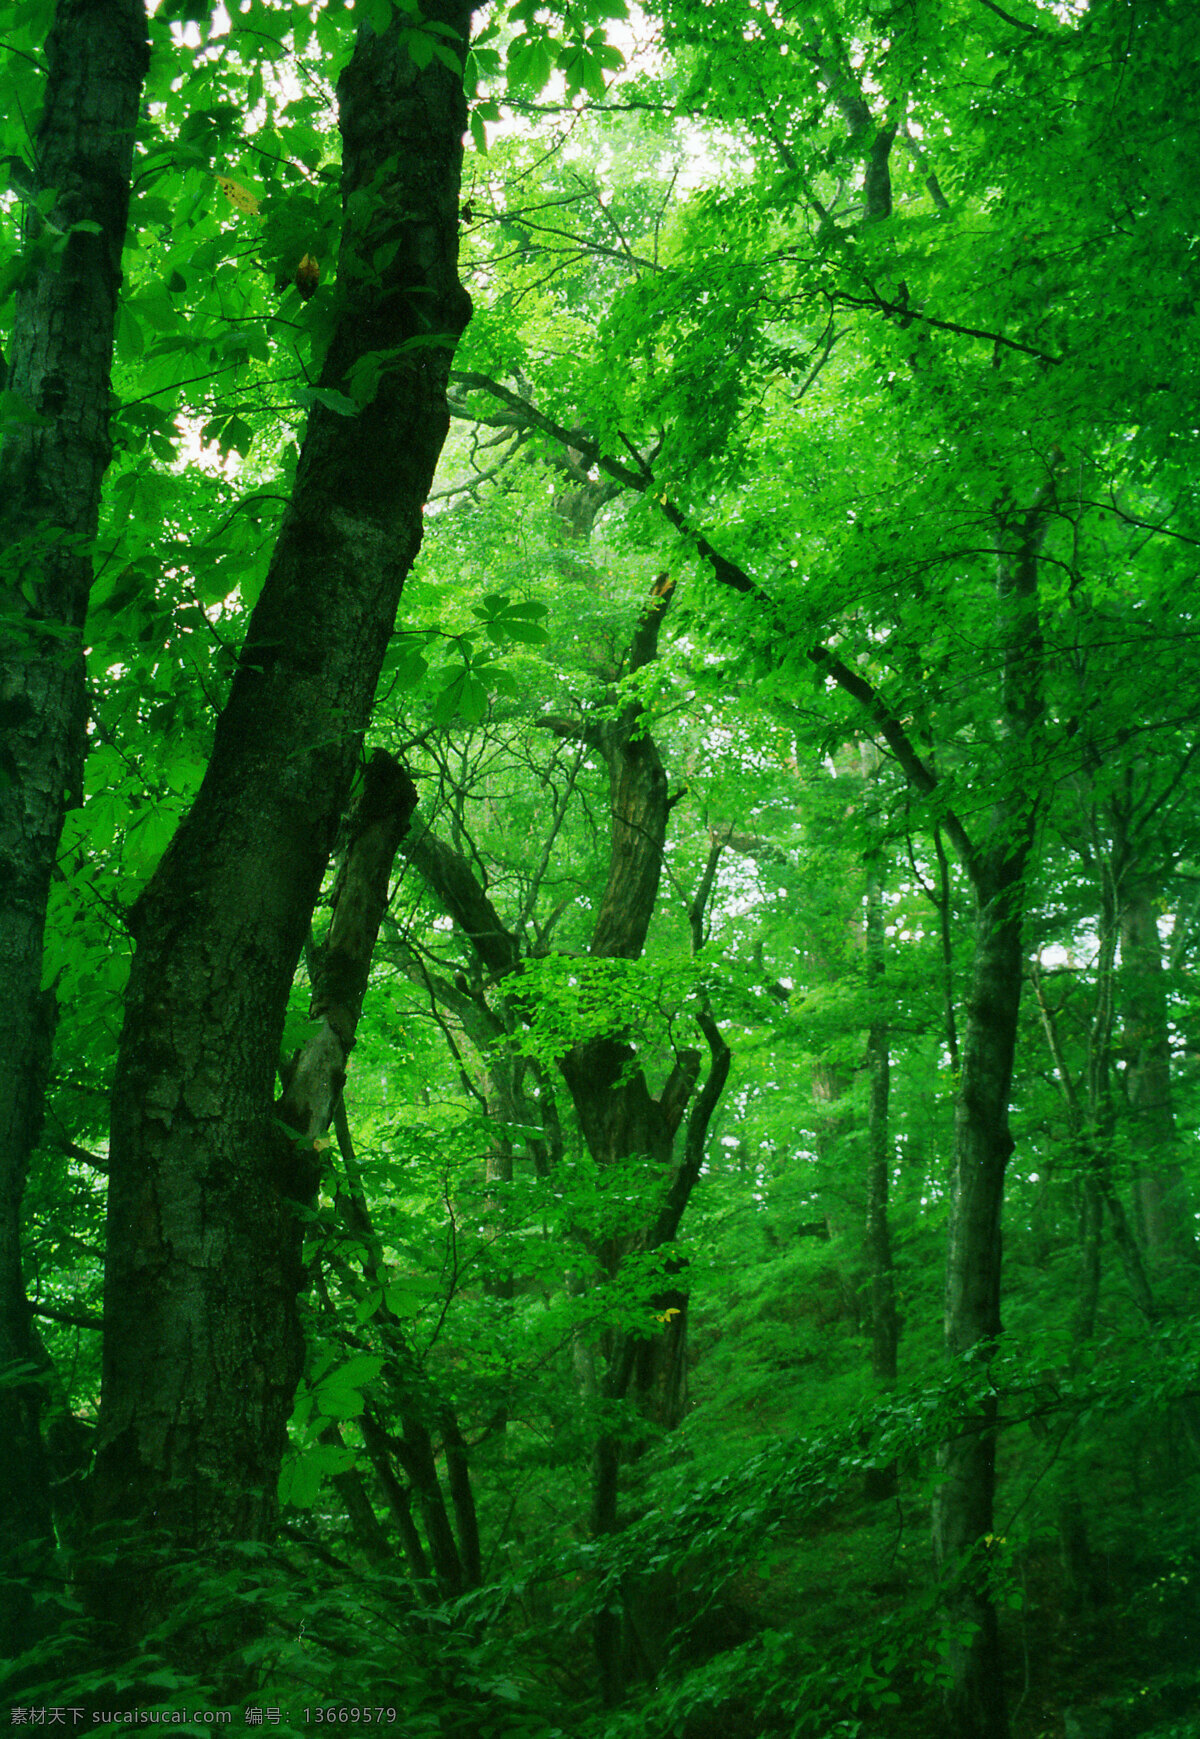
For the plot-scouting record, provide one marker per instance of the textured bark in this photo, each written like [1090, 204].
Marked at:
[617, 1112]
[202, 1341]
[963, 1510]
[60, 356]
[638, 805]
[376, 826]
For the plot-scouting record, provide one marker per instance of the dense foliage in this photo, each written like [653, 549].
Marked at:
[736, 1099]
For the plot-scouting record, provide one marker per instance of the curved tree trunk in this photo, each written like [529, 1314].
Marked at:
[51, 468]
[202, 1340]
[620, 1118]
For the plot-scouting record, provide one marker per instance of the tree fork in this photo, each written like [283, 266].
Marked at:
[202, 1338]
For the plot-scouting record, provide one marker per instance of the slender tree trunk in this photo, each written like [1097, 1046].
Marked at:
[963, 1508]
[202, 1339]
[1161, 1214]
[967, 1460]
[455, 1562]
[51, 468]
[881, 1482]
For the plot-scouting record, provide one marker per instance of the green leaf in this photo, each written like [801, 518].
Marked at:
[418, 46]
[330, 398]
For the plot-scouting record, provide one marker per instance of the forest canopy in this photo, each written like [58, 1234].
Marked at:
[598, 899]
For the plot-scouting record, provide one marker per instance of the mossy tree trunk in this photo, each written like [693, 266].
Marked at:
[51, 468]
[203, 1346]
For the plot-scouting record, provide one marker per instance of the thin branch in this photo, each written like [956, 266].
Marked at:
[1017, 23]
[730, 574]
[585, 249]
[71, 1318]
[558, 816]
[73, 1151]
[909, 313]
[1161, 530]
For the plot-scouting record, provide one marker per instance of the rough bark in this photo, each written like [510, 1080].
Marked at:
[59, 362]
[202, 1341]
[967, 1461]
[638, 805]
[375, 828]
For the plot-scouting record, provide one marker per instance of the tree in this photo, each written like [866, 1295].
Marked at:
[802, 313]
[203, 1252]
[56, 445]
[813, 255]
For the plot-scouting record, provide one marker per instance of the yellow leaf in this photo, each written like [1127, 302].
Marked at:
[237, 195]
[308, 276]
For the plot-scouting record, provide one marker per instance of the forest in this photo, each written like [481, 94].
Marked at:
[600, 867]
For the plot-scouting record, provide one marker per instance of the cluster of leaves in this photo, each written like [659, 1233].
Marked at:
[687, 287]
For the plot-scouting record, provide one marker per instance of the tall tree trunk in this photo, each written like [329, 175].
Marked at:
[1161, 1210]
[881, 1481]
[967, 1460]
[619, 1116]
[202, 1340]
[963, 1509]
[51, 468]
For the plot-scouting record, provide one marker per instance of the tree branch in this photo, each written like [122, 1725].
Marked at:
[72, 1318]
[730, 574]
[909, 313]
[453, 881]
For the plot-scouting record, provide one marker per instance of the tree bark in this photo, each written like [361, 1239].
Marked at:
[51, 468]
[881, 1481]
[377, 824]
[202, 1340]
[619, 1116]
[963, 1507]
[1161, 1210]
